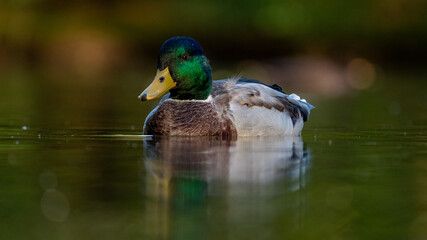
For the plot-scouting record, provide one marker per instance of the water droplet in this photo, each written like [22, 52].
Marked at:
[24, 127]
[17, 142]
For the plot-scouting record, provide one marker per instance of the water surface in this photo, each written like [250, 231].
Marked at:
[73, 165]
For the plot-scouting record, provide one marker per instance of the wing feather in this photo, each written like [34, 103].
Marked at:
[252, 93]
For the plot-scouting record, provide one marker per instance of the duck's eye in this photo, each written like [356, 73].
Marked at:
[185, 57]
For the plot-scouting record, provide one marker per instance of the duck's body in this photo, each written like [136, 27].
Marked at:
[234, 107]
[231, 107]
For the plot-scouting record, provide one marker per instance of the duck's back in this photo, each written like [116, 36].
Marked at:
[257, 109]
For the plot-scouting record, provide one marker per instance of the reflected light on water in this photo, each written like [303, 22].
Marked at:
[54, 204]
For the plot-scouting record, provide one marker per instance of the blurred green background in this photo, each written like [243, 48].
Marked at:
[103, 53]
[99, 37]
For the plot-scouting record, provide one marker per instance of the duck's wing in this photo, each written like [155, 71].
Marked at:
[252, 93]
[245, 80]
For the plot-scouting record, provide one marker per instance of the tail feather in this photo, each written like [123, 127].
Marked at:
[303, 105]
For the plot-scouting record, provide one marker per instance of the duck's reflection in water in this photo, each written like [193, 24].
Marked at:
[248, 161]
[190, 180]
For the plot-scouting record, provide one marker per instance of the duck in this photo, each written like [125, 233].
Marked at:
[195, 105]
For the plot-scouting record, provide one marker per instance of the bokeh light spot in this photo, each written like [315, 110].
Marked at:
[360, 73]
[55, 206]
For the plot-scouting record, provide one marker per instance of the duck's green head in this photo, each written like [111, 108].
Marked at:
[182, 69]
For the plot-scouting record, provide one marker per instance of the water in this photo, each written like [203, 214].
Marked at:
[73, 166]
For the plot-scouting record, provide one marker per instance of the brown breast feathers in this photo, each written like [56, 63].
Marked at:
[188, 118]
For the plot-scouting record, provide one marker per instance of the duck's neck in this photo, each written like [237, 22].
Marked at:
[198, 88]
[190, 96]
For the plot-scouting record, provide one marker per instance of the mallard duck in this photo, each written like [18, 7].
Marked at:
[198, 106]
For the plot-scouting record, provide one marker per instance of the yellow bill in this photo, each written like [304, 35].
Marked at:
[161, 84]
